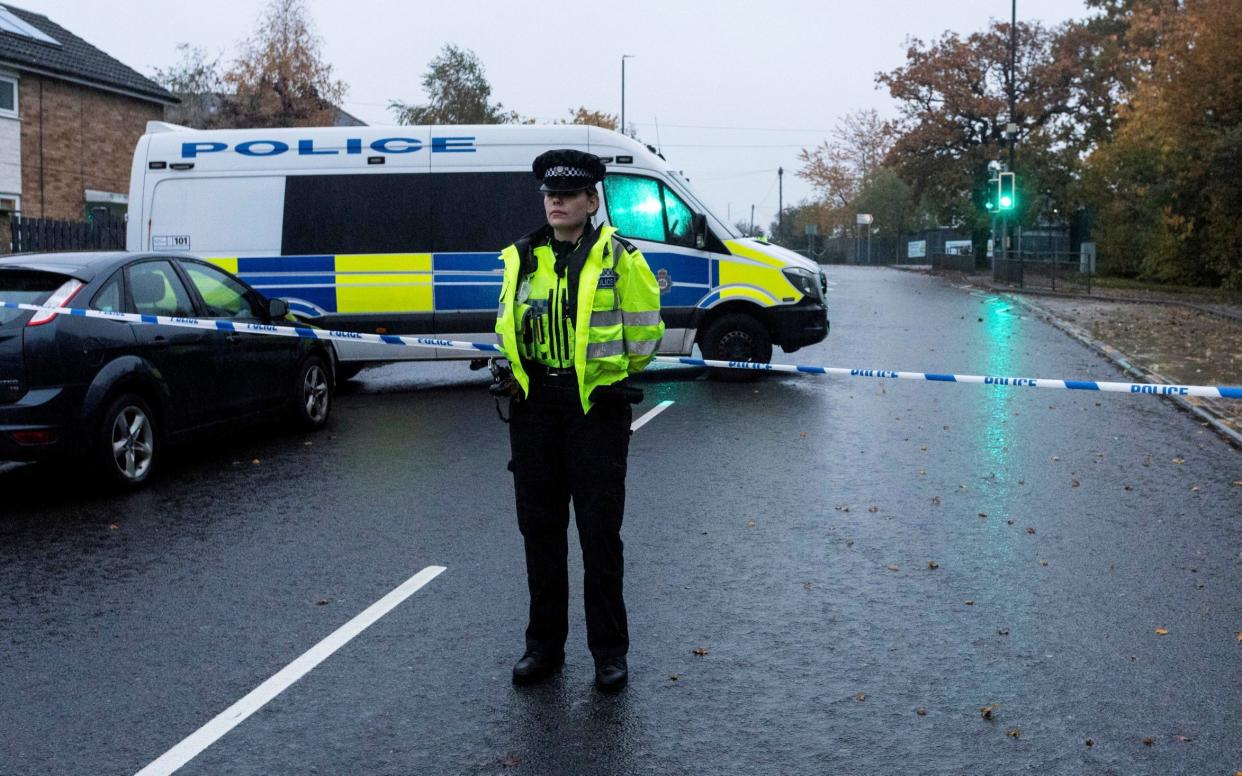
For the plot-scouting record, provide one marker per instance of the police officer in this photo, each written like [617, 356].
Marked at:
[579, 313]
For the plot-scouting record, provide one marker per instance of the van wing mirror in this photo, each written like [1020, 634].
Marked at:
[277, 309]
[698, 223]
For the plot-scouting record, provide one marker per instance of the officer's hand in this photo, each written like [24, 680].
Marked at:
[620, 393]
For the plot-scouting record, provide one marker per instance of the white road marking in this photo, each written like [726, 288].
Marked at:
[234, 715]
[656, 410]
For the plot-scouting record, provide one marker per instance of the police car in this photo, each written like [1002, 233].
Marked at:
[397, 230]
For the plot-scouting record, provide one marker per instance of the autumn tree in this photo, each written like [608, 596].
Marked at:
[281, 79]
[458, 93]
[196, 81]
[953, 94]
[594, 118]
[1165, 187]
[839, 166]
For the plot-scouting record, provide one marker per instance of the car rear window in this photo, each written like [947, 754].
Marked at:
[25, 287]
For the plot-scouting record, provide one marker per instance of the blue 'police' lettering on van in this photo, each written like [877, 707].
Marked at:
[452, 145]
[273, 148]
[353, 145]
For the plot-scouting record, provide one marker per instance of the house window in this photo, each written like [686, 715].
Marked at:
[8, 97]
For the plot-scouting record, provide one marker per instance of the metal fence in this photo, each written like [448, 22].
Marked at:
[46, 234]
[1065, 271]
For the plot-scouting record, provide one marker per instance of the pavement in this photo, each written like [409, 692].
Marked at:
[848, 576]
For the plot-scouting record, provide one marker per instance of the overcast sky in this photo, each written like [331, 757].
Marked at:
[736, 87]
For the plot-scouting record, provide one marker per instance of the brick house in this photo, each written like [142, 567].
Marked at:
[69, 118]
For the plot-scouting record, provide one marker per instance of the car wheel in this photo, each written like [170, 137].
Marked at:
[736, 337]
[128, 444]
[313, 394]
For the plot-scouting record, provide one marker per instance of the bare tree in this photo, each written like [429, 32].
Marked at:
[195, 80]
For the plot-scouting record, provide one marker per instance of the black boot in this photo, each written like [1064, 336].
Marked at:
[611, 674]
[536, 666]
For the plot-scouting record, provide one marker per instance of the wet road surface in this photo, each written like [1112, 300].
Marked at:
[786, 529]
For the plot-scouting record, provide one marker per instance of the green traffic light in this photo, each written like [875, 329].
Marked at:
[989, 205]
[1006, 202]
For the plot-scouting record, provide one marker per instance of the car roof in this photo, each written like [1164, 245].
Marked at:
[83, 265]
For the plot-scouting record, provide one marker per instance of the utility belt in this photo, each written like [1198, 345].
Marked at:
[541, 374]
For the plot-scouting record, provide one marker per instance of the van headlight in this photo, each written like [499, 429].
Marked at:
[804, 280]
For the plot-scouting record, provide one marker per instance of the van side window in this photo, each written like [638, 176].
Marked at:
[157, 290]
[224, 296]
[109, 298]
[645, 209]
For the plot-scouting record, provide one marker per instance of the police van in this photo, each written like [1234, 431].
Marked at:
[398, 230]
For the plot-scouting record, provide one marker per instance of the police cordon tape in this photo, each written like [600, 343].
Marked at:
[307, 332]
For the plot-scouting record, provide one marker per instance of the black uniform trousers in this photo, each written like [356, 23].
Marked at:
[560, 453]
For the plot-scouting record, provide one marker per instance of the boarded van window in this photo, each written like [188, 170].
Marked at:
[408, 212]
[484, 211]
[330, 214]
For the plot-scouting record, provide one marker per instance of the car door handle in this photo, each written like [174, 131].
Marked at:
[160, 341]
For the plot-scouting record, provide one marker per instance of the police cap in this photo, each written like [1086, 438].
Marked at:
[565, 169]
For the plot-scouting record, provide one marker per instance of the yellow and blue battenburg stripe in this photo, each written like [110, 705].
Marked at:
[373, 283]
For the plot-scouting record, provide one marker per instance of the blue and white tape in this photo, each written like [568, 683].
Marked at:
[307, 332]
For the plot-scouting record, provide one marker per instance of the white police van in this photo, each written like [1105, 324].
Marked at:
[398, 230]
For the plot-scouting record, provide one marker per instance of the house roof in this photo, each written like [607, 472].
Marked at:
[73, 59]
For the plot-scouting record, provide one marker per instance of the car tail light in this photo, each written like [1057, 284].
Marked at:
[59, 299]
[29, 438]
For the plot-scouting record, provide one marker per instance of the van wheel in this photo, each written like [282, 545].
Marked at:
[312, 397]
[128, 442]
[736, 337]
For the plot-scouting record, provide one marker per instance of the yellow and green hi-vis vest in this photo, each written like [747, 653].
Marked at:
[617, 305]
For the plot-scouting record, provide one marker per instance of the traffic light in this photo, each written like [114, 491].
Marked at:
[1006, 191]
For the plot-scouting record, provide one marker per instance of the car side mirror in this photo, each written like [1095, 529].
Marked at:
[277, 309]
[698, 224]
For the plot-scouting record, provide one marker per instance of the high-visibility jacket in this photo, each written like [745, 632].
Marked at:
[616, 304]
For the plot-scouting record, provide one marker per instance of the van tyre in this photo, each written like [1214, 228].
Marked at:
[128, 444]
[312, 399]
[736, 337]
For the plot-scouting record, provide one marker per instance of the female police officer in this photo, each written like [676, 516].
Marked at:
[579, 313]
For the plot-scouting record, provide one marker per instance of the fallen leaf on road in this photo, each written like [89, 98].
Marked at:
[1043, 563]
[701, 652]
[806, 586]
[511, 761]
[1002, 631]
[931, 564]
[873, 508]
[1090, 742]
[255, 461]
[1013, 733]
[750, 523]
[862, 696]
[1030, 530]
[922, 712]
[983, 514]
[892, 567]
[1239, 635]
[1237, 484]
[1074, 483]
[113, 527]
[1194, 488]
[1056, 457]
[1162, 631]
[923, 448]
[802, 434]
[1021, 482]
[969, 602]
[935, 500]
[986, 711]
[321, 602]
[946, 428]
[673, 677]
[1146, 742]
[1128, 487]
[1008, 522]
[1182, 738]
[1179, 460]
[843, 508]
[923, 472]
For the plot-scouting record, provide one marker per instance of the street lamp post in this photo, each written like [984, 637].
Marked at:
[623, 58]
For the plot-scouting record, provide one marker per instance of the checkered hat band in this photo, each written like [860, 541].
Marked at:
[566, 172]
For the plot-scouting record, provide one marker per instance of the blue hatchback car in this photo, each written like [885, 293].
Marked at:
[118, 393]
